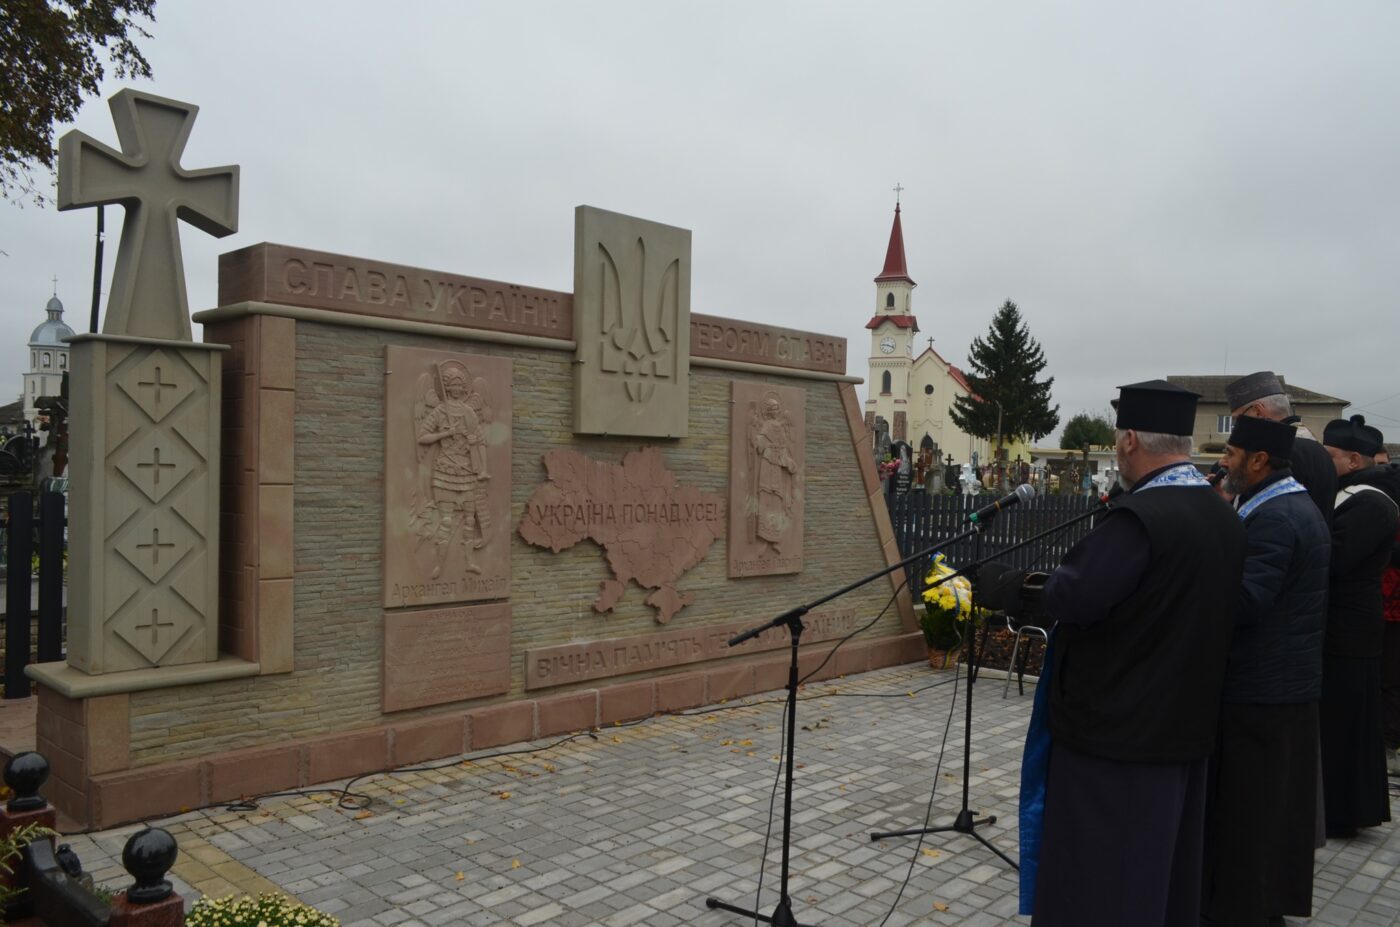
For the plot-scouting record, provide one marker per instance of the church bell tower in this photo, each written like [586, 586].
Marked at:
[892, 329]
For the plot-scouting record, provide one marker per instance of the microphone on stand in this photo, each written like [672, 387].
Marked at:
[1024, 493]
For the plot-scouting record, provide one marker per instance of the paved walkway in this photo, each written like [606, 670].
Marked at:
[641, 823]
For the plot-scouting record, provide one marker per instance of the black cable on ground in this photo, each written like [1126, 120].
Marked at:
[933, 792]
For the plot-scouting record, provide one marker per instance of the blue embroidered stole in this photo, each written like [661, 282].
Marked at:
[1282, 488]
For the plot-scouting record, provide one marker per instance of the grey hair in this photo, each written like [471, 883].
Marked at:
[1158, 444]
[1276, 406]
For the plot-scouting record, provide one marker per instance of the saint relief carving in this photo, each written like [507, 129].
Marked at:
[446, 477]
[770, 440]
[450, 505]
[766, 479]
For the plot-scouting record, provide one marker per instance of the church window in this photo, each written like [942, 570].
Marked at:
[63, 362]
[885, 381]
[889, 300]
[33, 359]
[1224, 424]
[928, 389]
[48, 359]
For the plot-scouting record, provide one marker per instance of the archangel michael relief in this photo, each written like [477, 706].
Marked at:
[447, 477]
[767, 446]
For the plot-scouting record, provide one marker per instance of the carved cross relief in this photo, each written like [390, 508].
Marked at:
[155, 626]
[148, 284]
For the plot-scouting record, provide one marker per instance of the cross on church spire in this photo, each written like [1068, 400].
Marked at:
[898, 189]
[148, 283]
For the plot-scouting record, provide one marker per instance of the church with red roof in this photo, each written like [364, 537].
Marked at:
[912, 392]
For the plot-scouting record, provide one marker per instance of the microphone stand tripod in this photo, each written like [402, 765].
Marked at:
[966, 821]
[782, 915]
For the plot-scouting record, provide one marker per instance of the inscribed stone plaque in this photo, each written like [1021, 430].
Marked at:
[621, 656]
[445, 655]
[767, 476]
[272, 273]
[751, 343]
[632, 326]
[446, 477]
[651, 527]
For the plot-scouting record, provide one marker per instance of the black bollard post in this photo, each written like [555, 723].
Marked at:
[26, 774]
[148, 856]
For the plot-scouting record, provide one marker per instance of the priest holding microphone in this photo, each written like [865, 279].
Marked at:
[1261, 797]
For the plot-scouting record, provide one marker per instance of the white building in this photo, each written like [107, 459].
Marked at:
[914, 394]
[48, 358]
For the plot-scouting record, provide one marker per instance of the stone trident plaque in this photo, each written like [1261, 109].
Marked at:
[632, 325]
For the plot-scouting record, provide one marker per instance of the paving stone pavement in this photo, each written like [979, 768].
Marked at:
[638, 824]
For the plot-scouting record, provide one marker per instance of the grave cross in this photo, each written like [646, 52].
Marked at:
[155, 546]
[148, 283]
[155, 466]
[155, 626]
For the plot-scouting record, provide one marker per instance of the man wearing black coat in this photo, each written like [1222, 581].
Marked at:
[1263, 774]
[1355, 790]
[1261, 395]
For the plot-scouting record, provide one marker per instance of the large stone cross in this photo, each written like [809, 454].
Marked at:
[148, 285]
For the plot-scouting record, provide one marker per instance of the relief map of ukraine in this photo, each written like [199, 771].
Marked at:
[651, 529]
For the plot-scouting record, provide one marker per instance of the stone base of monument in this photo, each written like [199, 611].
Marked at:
[94, 728]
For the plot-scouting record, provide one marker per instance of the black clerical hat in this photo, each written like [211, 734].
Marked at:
[1156, 406]
[1255, 386]
[1353, 434]
[1259, 434]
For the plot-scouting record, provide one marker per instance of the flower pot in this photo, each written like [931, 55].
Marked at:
[942, 659]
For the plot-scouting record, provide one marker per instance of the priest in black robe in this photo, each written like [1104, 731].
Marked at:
[1144, 605]
[1355, 791]
[1262, 788]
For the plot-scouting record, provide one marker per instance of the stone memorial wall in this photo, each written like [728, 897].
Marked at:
[425, 549]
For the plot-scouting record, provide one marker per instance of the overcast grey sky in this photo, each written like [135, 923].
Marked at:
[1194, 187]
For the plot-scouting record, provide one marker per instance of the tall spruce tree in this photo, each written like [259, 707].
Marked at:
[1007, 401]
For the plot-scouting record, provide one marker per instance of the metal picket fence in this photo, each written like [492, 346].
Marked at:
[30, 529]
[921, 520]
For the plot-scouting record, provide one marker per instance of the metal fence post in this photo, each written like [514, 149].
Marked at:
[17, 604]
[51, 516]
